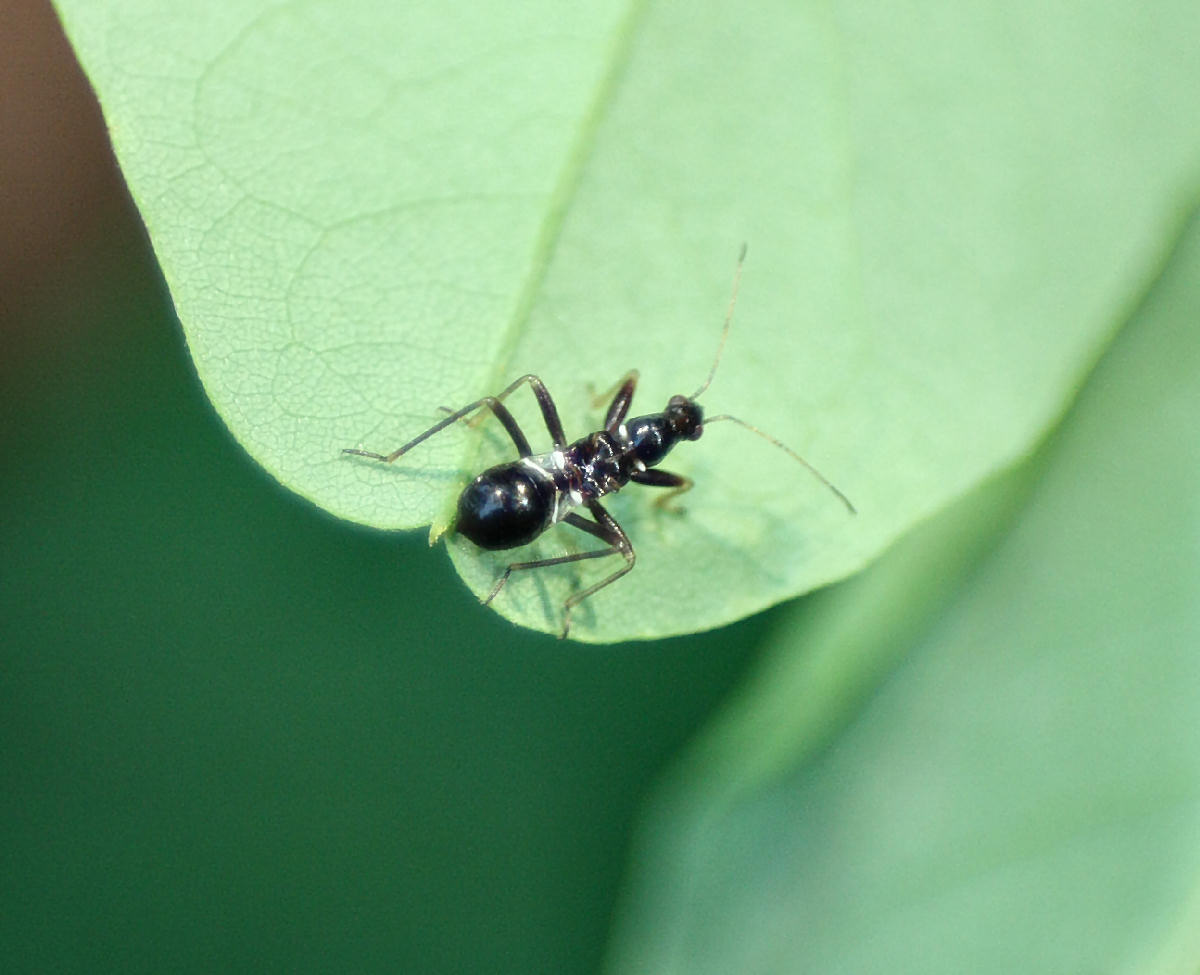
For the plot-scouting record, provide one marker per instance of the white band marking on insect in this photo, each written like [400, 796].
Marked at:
[533, 465]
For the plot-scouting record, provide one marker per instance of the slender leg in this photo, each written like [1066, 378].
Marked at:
[545, 402]
[622, 396]
[599, 399]
[653, 477]
[571, 519]
[498, 408]
[620, 542]
[544, 564]
[604, 528]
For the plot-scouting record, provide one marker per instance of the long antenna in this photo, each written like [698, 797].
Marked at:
[737, 281]
[787, 450]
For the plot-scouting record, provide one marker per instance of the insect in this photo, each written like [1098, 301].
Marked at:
[511, 504]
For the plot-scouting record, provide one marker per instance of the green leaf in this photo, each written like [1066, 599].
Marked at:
[1022, 792]
[369, 210]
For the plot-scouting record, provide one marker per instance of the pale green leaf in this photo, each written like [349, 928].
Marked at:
[366, 211]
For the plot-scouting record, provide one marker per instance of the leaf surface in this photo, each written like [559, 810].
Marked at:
[366, 211]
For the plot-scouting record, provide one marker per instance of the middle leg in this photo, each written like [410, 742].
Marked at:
[607, 530]
[571, 518]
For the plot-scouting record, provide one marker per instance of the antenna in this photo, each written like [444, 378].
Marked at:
[787, 450]
[737, 281]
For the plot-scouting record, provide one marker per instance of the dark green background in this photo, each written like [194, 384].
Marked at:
[239, 735]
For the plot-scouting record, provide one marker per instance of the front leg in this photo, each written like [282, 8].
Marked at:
[653, 477]
[622, 396]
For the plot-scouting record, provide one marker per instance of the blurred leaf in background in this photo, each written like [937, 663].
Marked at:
[1022, 794]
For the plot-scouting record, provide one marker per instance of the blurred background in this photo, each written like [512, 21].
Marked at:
[236, 734]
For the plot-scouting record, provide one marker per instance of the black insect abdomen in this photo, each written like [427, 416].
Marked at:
[505, 506]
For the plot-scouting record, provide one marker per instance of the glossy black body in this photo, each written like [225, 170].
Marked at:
[505, 506]
[511, 504]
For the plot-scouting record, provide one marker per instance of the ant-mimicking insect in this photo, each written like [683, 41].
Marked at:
[511, 504]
